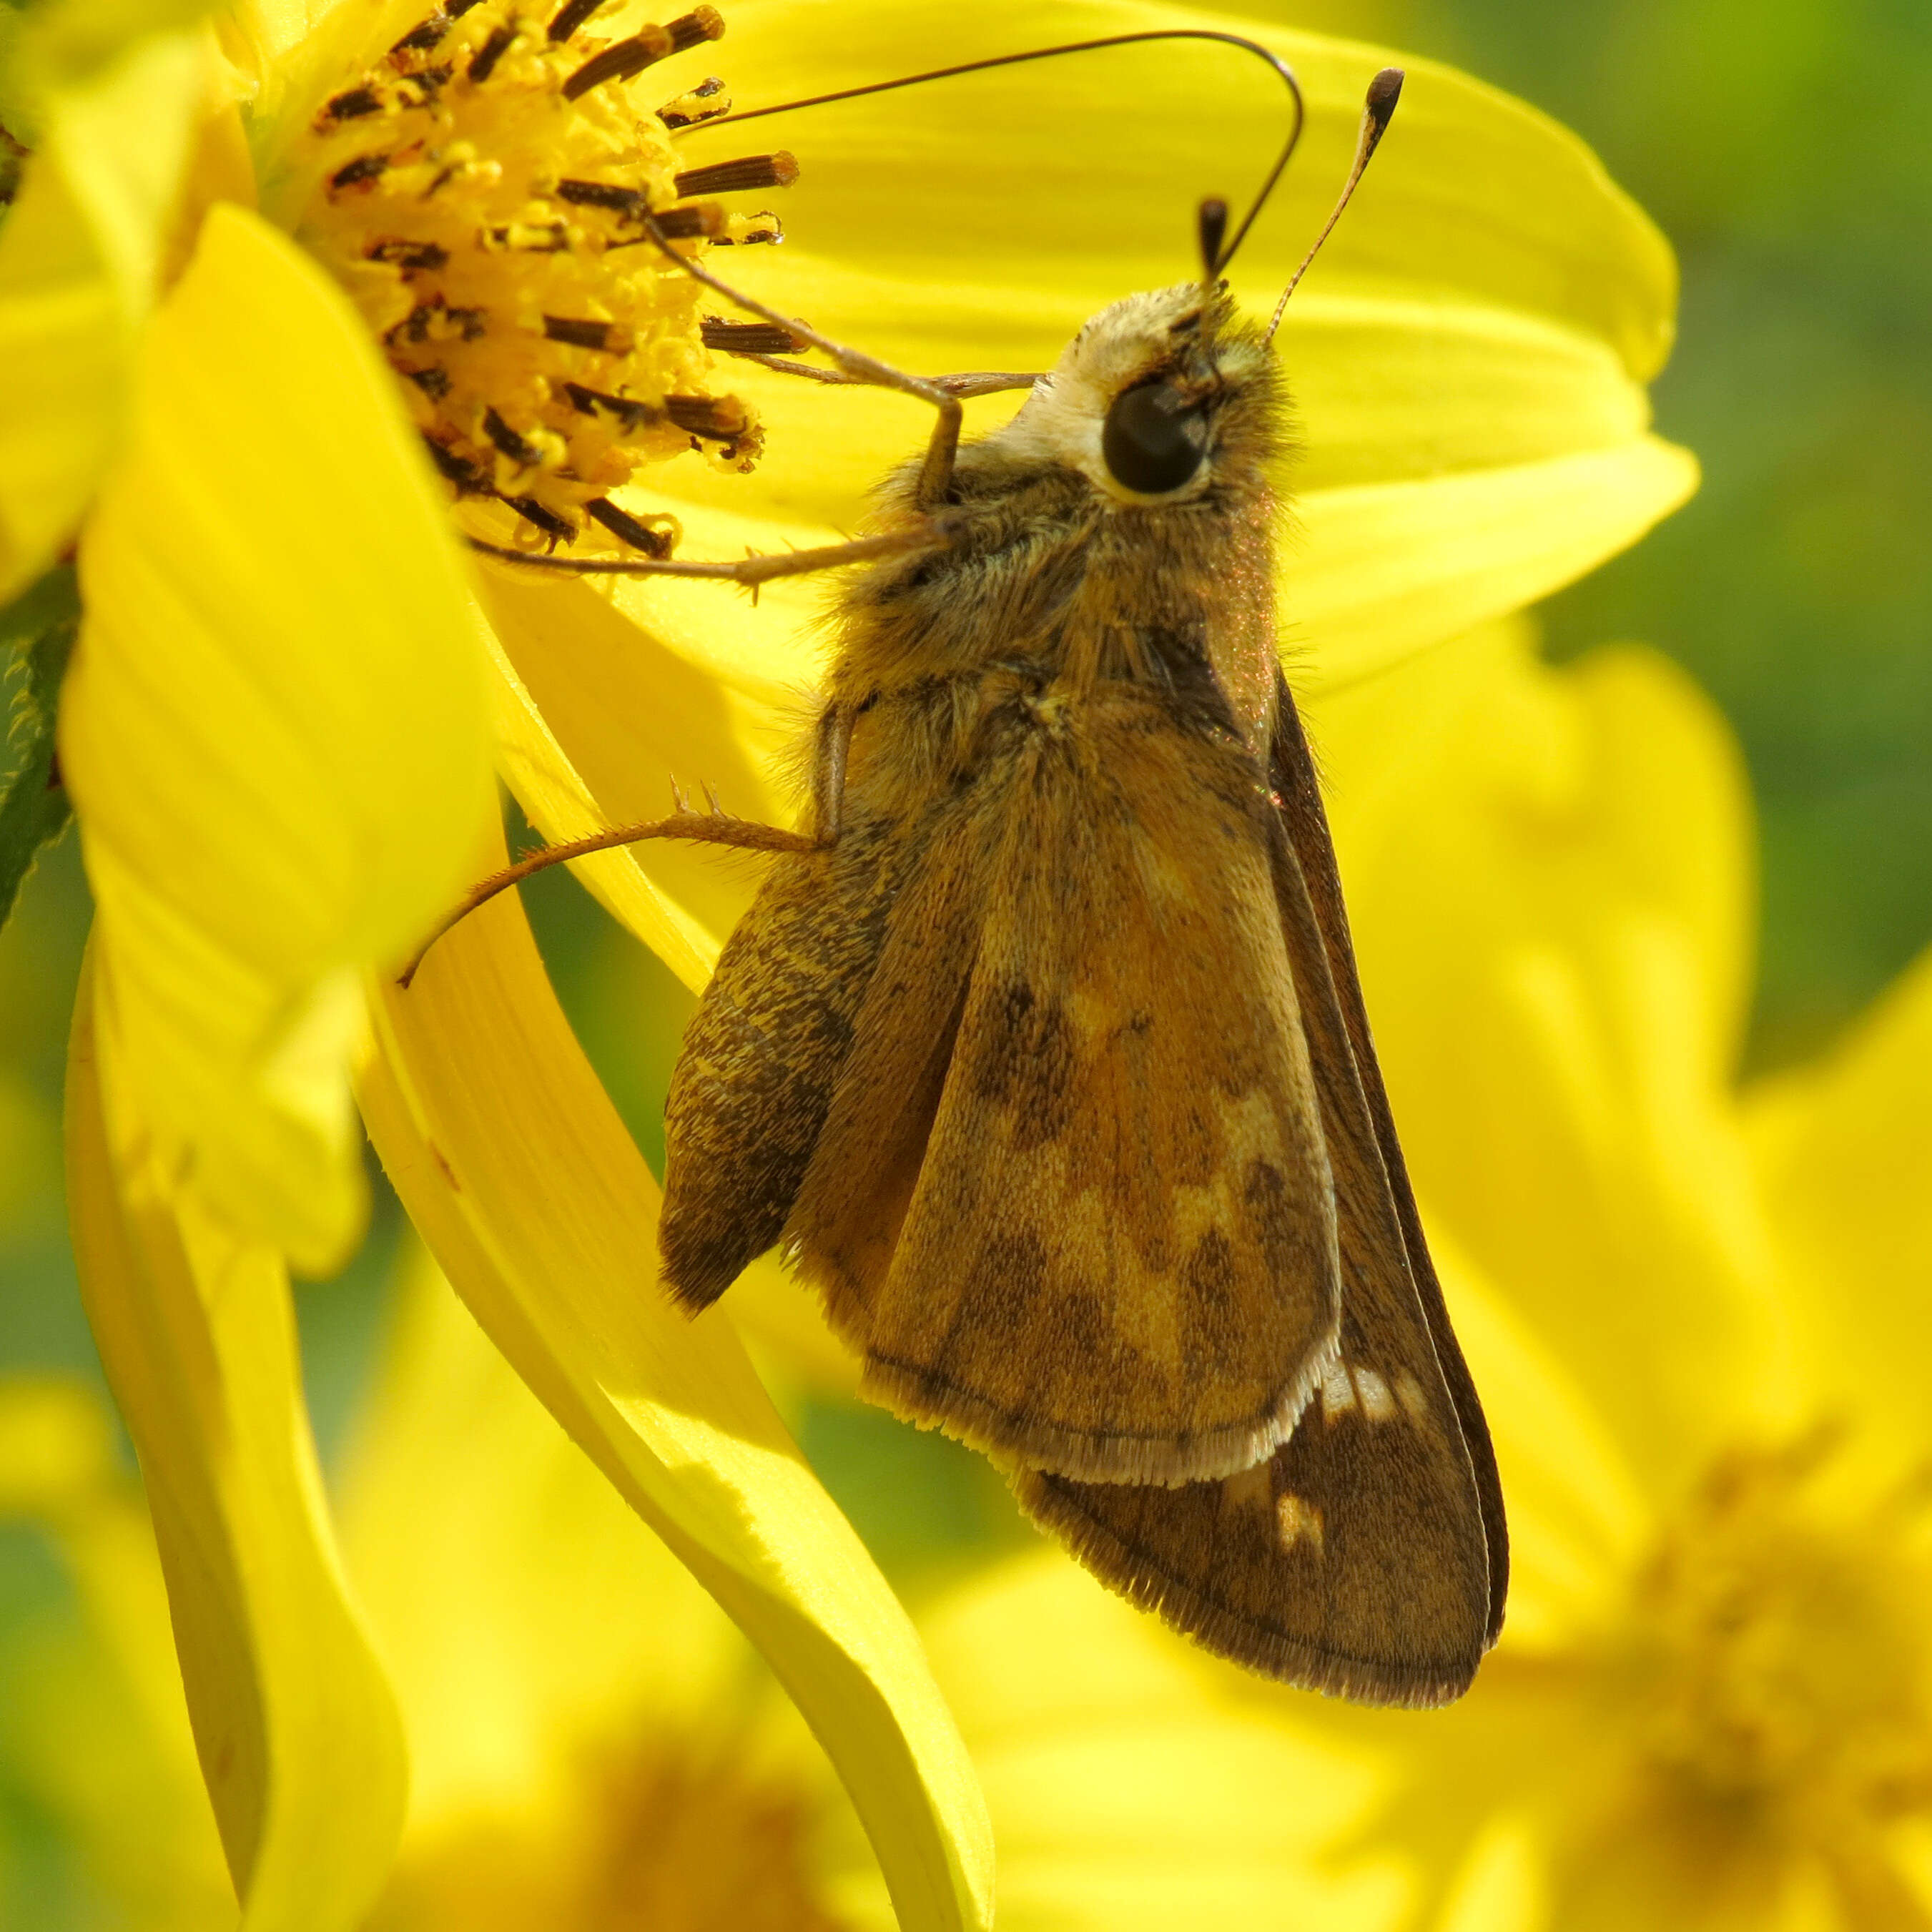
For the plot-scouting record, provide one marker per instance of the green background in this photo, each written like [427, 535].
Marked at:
[1783, 148]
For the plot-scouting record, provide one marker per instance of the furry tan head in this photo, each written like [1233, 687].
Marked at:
[1153, 400]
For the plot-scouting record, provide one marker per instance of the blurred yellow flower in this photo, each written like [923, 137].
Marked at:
[276, 729]
[594, 1748]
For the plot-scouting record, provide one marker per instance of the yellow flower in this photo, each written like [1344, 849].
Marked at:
[1698, 1321]
[275, 729]
[594, 1749]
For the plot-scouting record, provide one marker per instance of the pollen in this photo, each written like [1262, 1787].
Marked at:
[492, 196]
[1774, 1671]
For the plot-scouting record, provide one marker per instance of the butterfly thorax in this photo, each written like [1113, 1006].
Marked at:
[1059, 584]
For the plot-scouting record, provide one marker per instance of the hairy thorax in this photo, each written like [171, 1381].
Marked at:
[1048, 596]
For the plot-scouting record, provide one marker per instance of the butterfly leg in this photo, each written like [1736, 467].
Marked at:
[704, 828]
[715, 827]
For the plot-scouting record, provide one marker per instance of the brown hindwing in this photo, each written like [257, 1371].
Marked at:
[1099, 1237]
[1367, 1558]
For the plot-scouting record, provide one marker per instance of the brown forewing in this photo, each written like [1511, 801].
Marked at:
[1366, 1556]
[1072, 1197]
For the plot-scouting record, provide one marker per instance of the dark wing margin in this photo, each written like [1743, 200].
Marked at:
[1298, 791]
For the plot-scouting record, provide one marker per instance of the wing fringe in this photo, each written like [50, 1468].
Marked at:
[1133, 1574]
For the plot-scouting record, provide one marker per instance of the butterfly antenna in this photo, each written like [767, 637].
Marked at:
[1384, 91]
[1213, 228]
[1221, 256]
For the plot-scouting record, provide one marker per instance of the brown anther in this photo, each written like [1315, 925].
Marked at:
[553, 525]
[720, 418]
[513, 446]
[631, 413]
[407, 255]
[578, 334]
[464, 476]
[531, 238]
[704, 218]
[437, 319]
[701, 23]
[620, 200]
[364, 168]
[484, 62]
[427, 34]
[350, 105]
[419, 90]
[434, 382]
[704, 102]
[626, 529]
[778, 170]
[748, 338]
[762, 227]
[621, 60]
[570, 17]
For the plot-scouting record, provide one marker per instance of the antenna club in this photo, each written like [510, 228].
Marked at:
[1384, 91]
[1213, 231]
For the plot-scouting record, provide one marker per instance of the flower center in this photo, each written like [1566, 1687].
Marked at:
[491, 199]
[1776, 1672]
[667, 1836]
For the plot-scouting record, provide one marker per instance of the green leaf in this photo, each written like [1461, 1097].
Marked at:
[37, 633]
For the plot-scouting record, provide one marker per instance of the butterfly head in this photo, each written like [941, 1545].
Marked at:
[1161, 399]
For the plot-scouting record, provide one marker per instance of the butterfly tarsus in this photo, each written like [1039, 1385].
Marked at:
[707, 828]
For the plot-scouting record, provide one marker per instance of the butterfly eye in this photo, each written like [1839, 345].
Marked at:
[1154, 439]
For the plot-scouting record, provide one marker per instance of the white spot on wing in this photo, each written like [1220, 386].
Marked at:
[1414, 1403]
[1338, 1393]
[1299, 1521]
[1377, 1405]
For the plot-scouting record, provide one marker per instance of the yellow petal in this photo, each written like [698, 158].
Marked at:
[1083, 173]
[1578, 1517]
[1131, 1789]
[98, 1736]
[1379, 570]
[516, 1170]
[1492, 303]
[530, 1620]
[1549, 878]
[634, 714]
[275, 730]
[298, 1739]
[1840, 1151]
[79, 255]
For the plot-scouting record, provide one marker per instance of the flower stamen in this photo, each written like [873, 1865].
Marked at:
[625, 60]
[570, 17]
[486, 222]
[705, 102]
[749, 338]
[778, 170]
